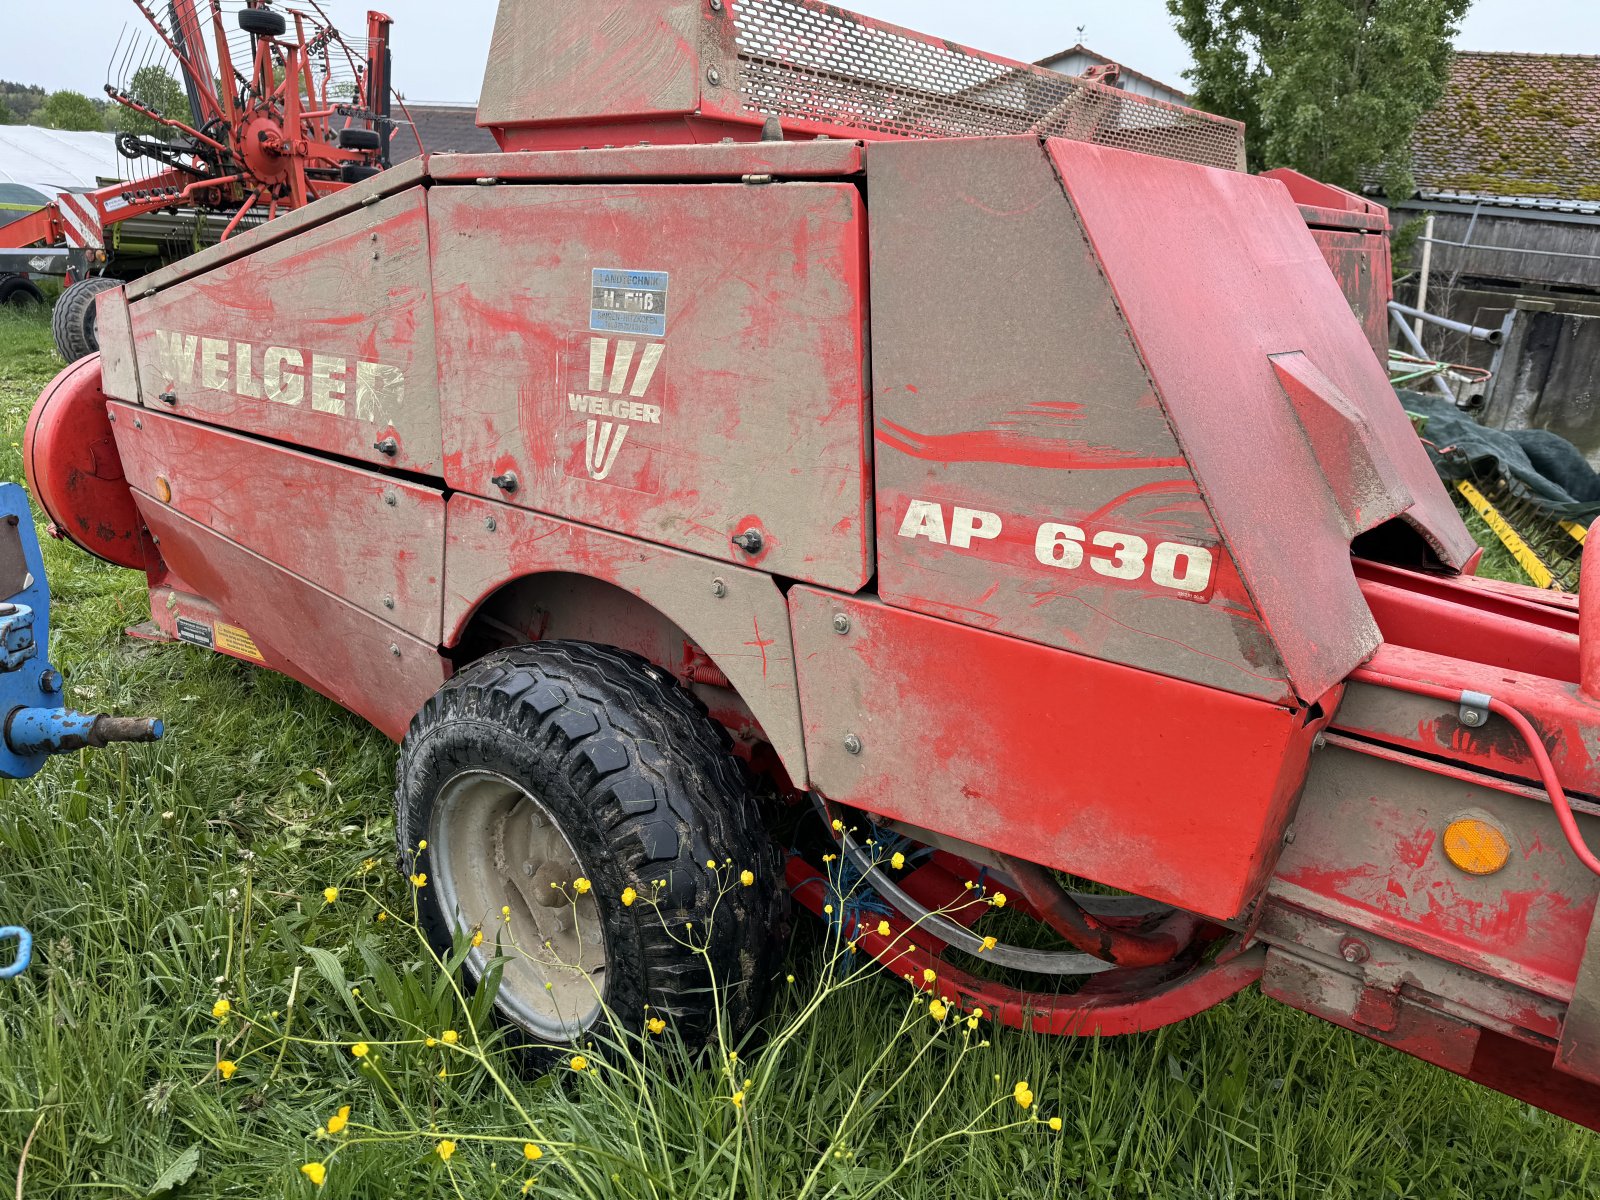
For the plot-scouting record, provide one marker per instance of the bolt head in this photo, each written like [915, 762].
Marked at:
[719, 589]
[391, 498]
[841, 623]
[50, 681]
[713, 76]
[490, 524]
[852, 743]
[1354, 951]
[388, 601]
[394, 649]
[1471, 716]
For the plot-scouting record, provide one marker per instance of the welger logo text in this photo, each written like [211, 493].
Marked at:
[619, 374]
[329, 383]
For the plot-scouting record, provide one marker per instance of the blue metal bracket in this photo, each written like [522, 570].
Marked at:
[34, 724]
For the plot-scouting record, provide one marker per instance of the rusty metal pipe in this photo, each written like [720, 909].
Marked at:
[1159, 943]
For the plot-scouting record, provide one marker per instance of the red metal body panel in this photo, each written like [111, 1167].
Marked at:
[376, 671]
[742, 404]
[74, 472]
[1207, 317]
[375, 542]
[1029, 423]
[324, 341]
[733, 615]
[825, 159]
[119, 369]
[1168, 789]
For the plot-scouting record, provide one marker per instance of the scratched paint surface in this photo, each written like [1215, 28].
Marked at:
[1367, 849]
[119, 371]
[1005, 384]
[1169, 789]
[377, 543]
[1216, 273]
[744, 631]
[324, 340]
[748, 413]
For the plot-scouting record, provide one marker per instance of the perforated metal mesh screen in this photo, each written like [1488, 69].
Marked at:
[811, 62]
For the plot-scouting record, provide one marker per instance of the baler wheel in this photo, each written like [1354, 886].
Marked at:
[543, 765]
[262, 22]
[72, 321]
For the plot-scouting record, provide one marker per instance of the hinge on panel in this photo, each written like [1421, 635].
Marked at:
[755, 179]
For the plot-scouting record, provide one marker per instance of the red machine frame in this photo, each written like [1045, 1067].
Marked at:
[1019, 587]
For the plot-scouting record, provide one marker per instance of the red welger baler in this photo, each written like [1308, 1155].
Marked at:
[979, 453]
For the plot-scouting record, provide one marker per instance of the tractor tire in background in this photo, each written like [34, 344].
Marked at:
[262, 22]
[542, 764]
[19, 292]
[72, 321]
[359, 139]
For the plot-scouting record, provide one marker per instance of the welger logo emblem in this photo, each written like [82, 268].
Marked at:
[618, 378]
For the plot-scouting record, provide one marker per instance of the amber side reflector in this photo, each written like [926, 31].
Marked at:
[163, 489]
[1476, 846]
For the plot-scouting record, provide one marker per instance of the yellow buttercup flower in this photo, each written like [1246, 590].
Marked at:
[897, 860]
[937, 1010]
[329, 895]
[339, 1120]
[430, 1041]
[527, 1185]
[445, 1149]
[581, 885]
[929, 975]
[531, 1152]
[423, 844]
[883, 929]
[1022, 1094]
[420, 879]
[579, 1063]
[747, 877]
[738, 1098]
[477, 937]
[450, 1037]
[656, 1025]
[999, 900]
[989, 943]
[838, 825]
[221, 1009]
[505, 911]
[226, 1068]
[315, 1172]
[360, 1049]
[628, 897]
[1055, 1124]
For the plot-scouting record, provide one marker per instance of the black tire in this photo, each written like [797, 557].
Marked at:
[262, 22]
[354, 173]
[640, 783]
[359, 139]
[19, 292]
[72, 321]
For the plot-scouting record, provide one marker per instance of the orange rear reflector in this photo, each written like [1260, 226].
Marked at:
[1476, 846]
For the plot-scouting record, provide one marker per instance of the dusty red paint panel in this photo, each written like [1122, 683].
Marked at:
[1368, 851]
[739, 401]
[375, 670]
[373, 541]
[324, 340]
[1568, 721]
[719, 160]
[1031, 427]
[1209, 303]
[744, 630]
[1169, 789]
[119, 371]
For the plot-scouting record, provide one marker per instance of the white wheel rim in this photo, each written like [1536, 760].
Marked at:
[493, 845]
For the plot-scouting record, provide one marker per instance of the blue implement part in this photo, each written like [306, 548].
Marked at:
[24, 950]
[35, 723]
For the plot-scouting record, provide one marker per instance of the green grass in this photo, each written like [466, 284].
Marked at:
[157, 876]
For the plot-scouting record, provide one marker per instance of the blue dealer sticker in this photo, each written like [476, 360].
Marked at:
[629, 302]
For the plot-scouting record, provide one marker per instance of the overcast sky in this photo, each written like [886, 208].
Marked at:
[440, 44]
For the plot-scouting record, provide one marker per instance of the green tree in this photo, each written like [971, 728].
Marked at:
[7, 117]
[1333, 88]
[153, 87]
[70, 110]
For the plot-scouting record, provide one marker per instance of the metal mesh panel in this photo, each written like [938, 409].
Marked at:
[813, 63]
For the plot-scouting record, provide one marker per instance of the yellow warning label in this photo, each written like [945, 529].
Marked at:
[236, 641]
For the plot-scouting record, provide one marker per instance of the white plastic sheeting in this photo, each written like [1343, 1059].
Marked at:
[54, 159]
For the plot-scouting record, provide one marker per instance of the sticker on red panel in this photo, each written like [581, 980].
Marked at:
[628, 302]
[614, 399]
